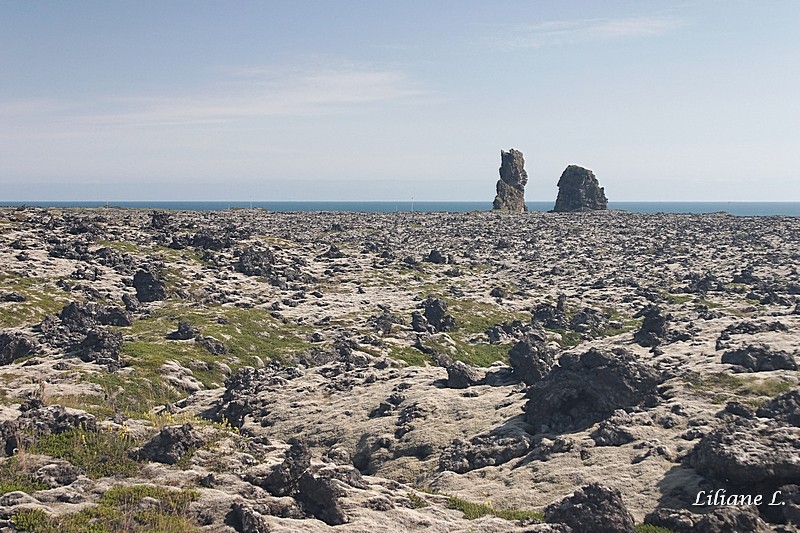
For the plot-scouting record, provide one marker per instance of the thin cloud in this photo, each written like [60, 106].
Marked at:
[275, 92]
[563, 32]
[236, 94]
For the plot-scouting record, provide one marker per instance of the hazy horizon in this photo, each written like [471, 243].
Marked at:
[357, 101]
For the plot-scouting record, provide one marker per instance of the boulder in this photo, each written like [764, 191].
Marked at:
[753, 454]
[243, 518]
[149, 286]
[419, 323]
[759, 358]
[101, 346]
[655, 328]
[460, 375]
[184, 332]
[82, 316]
[212, 345]
[784, 408]
[483, 450]
[719, 520]
[170, 444]
[511, 185]
[531, 359]
[615, 431]
[159, 219]
[579, 190]
[435, 311]
[14, 345]
[596, 508]
[284, 478]
[587, 388]
[590, 322]
[550, 316]
[256, 262]
[40, 420]
[319, 496]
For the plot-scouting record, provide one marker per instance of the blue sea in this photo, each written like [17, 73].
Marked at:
[733, 208]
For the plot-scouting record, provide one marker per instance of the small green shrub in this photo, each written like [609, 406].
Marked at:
[473, 510]
[30, 520]
[119, 509]
[98, 453]
[417, 502]
[649, 528]
[13, 477]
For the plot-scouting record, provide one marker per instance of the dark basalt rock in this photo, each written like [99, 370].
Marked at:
[589, 322]
[169, 445]
[211, 241]
[14, 345]
[436, 257]
[12, 297]
[578, 190]
[703, 283]
[511, 185]
[101, 346]
[159, 219]
[244, 518]
[283, 479]
[319, 497]
[750, 454]
[655, 328]
[184, 332]
[587, 388]
[531, 359]
[41, 420]
[149, 286]
[80, 317]
[483, 450]
[256, 263]
[435, 311]
[759, 358]
[419, 323]
[57, 474]
[460, 375]
[784, 408]
[212, 345]
[385, 322]
[720, 520]
[333, 252]
[552, 317]
[614, 431]
[240, 398]
[596, 508]
[8, 438]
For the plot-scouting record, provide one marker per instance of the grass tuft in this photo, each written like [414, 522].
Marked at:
[98, 453]
[129, 509]
[473, 510]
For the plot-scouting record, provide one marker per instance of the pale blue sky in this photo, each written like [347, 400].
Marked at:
[344, 100]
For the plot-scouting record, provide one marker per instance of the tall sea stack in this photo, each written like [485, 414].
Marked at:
[579, 190]
[511, 185]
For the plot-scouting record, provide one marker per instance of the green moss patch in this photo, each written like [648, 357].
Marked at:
[473, 510]
[43, 298]
[14, 477]
[722, 387]
[136, 508]
[98, 453]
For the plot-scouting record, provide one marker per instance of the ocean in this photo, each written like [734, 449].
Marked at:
[733, 208]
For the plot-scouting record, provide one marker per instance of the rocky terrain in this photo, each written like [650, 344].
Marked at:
[579, 190]
[252, 371]
[511, 185]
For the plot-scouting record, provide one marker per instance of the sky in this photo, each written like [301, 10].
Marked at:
[368, 100]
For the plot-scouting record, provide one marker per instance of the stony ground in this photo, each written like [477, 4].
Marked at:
[253, 371]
